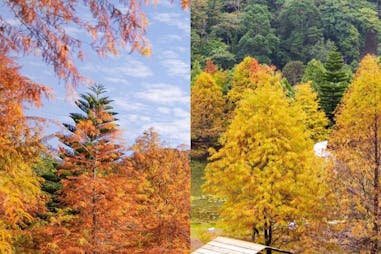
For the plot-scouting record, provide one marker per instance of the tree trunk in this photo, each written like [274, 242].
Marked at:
[374, 246]
[268, 237]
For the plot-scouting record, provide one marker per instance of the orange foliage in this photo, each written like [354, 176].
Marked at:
[168, 175]
[20, 147]
[210, 67]
[44, 25]
[103, 199]
[247, 75]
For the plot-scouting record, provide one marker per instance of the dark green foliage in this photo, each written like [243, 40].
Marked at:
[259, 39]
[278, 31]
[299, 30]
[93, 105]
[46, 169]
[293, 71]
[334, 83]
[314, 72]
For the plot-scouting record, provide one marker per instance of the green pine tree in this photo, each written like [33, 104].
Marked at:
[334, 83]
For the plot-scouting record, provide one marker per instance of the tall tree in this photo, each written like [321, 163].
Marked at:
[100, 193]
[168, 175]
[20, 147]
[355, 143]
[207, 112]
[266, 172]
[315, 119]
[334, 83]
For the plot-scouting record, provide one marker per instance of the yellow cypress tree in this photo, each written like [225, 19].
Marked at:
[247, 75]
[356, 144]
[266, 173]
[207, 112]
[315, 119]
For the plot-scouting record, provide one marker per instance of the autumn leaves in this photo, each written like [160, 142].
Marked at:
[106, 201]
[274, 189]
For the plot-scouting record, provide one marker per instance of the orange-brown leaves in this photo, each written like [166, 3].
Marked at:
[168, 174]
[45, 25]
[210, 67]
[20, 148]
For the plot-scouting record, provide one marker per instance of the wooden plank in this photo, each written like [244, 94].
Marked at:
[236, 248]
[234, 242]
[204, 251]
[218, 249]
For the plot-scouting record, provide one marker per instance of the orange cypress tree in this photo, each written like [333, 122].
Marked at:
[101, 195]
[168, 175]
[20, 147]
[210, 67]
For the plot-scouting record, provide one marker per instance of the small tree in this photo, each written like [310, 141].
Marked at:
[207, 111]
[293, 71]
[334, 83]
[315, 119]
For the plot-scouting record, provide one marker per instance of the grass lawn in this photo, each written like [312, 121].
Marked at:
[203, 211]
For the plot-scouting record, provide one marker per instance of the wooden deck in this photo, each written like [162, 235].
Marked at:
[224, 245]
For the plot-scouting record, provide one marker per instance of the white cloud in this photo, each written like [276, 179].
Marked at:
[133, 68]
[116, 80]
[180, 112]
[168, 54]
[164, 110]
[126, 105]
[173, 19]
[129, 67]
[163, 93]
[176, 67]
[176, 131]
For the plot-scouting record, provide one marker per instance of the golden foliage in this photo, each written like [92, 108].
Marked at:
[266, 173]
[247, 75]
[355, 143]
[315, 119]
[167, 172]
[207, 113]
[20, 148]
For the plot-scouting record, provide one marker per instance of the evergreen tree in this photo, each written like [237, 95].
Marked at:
[334, 83]
[99, 193]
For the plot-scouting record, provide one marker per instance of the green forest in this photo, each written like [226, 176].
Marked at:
[283, 32]
[269, 80]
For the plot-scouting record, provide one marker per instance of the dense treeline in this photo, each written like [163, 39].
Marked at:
[270, 79]
[281, 32]
[258, 137]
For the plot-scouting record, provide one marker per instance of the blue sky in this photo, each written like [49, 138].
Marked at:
[148, 92]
